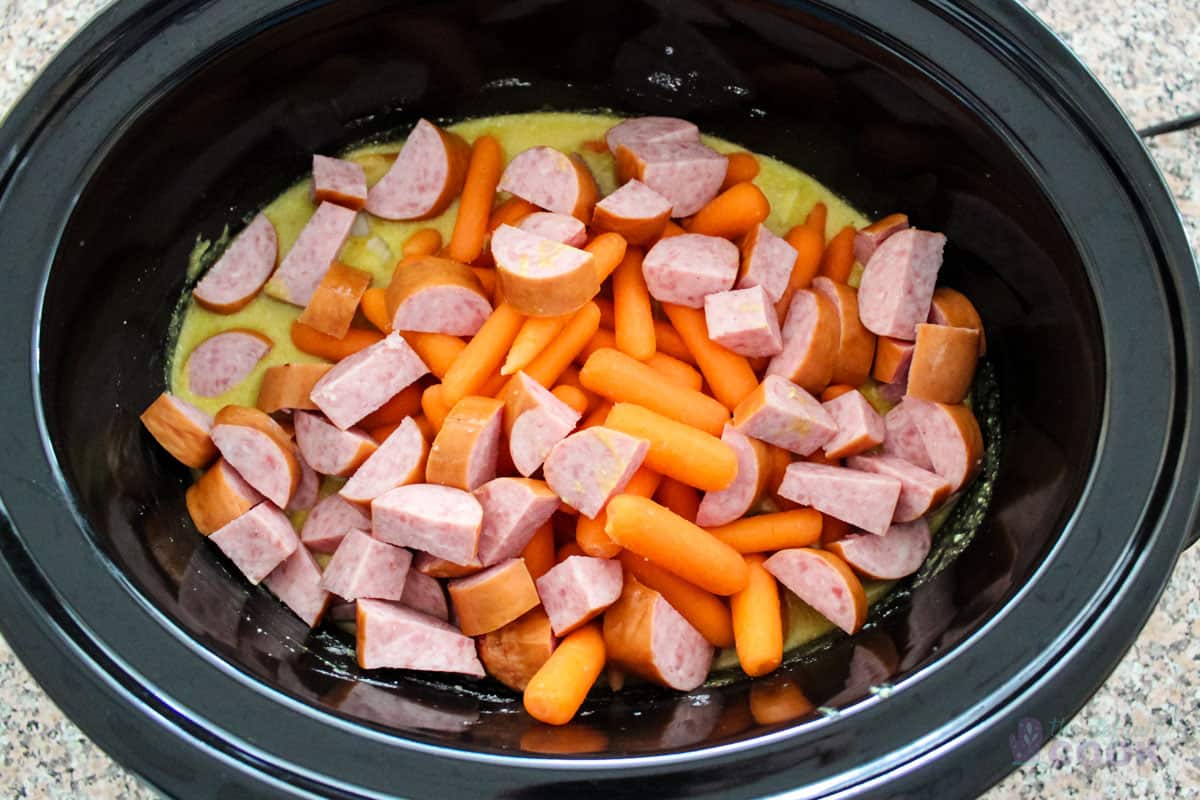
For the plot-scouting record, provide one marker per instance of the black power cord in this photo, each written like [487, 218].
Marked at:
[1171, 126]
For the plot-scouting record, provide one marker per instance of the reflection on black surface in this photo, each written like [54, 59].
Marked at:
[387, 706]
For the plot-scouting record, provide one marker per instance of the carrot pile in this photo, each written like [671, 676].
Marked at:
[620, 362]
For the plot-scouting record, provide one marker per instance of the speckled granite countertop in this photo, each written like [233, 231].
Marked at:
[1136, 738]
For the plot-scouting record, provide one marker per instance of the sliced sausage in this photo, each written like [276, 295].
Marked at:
[329, 522]
[297, 582]
[635, 211]
[219, 497]
[238, 275]
[425, 594]
[437, 295]
[810, 342]
[577, 590]
[513, 510]
[400, 460]
[868, 239]
[552, 180]
[952, 439]
[513, 654]
[436, 567]
[541, 277]
[943, 363]
[767, 261]
[392, 635]
[856, 344]
[822, 580]
[859, 425]
[650, 130]
[181, 429]
[329, 450]
[644, 635]
[224, 360]
[688, 174]
[335, 301]
[863, 499]
[339, 181]
[754, 468]
[683, 269]
[314, 251]
[259, 450]
[920, 490]
[366, 567]
[893, 359]
[467, 448]
[743, 321]
[896, 554]
[439, 520]
[305, 496]
[426, 176]
[902, 437]
[536, 421]
[897, 284]
[288, 386]
[588, 468]
[951, 307]
[258, 541]
[779, 412]
[363, 382]
[491, 599]
[556, 227]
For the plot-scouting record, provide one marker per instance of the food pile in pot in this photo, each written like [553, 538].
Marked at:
[548, 396]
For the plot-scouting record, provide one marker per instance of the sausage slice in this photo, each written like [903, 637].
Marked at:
[683, 269]
[650, 130]
[689, 174]
[181, 429]
[363, 382]
[366, 567]
[896, 554]
[644, 635]
[898, 282]
[297, 583]
[513, 653]
[552, 180]
[437, 295]
[467, 448]
[513, 510]
[635, 211]
[327, 449]
[339, 181]
[426, 176]
[224, 360]
[893, 359]
[258, 541]
[767, 261]
[425, 594]
[588, 468]
[952, 439]
[943, 363]
[329, 522]
[856, 344]
[902, 436]
[334, 302]
[577, 590]
[541, 277]
[868, 239]
[305, 496]
[920, 490]
[863, 499]
[314, 251]
[391, 635]
[238, 275]
[400, 460]
[259, 450]
[810, 342]
[219, 497]
[491, 599]
[781, 413]
[556, 227]
[289, 386]
[732, 502]
[951, 307]
[439, 520]
[743, 321]
[859, 425]
[822, 580]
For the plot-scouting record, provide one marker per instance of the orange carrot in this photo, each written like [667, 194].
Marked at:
[335, 300]
[475, 203]
[732, 213]
[833, 529]
[405, 404]
[607, 250]
[676, 371]
[483, 354]
[510, 212]
[558, 355]
[558, 688]
[765, 533]
[633, 315]
[319, 344]
[810, 245]
[757, 621]
[438, 350]
[617, 377]
[680, 498]
[535, 334]
[835, 391]
[567, 550]
[602, 339]
[425, 242]
[743, 168]
[670, 541]
[589, 533]
[838, 260]
[494, 384]
[570, 377]
[671, 229]
[381, 432]
[705, 611]
[487, 277]
[426, 427]
[433, 403]
[374, 308]
[678, 450]
[729, 375]
[598, 416]
[608, 314]
[816, 219]
[539, 553]
[671, 343]
[573, 397]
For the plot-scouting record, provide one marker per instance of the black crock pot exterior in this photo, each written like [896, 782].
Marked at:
[76, 607]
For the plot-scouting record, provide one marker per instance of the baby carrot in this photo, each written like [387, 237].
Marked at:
[677, 450]
[838, 259]
[493, 385]
[405, 404]
[607, 249]
[558, 688]
[729, 375]
[608, 314]
[671, 343]
[433, 403]
[573, 397]
[425, 242]
[835, 391]
[816, 219]
[510, 212]
[381, 432]
[558, 355]
[487, 277]
[732, 213]
[616, 376]
[676, 371]
[589, 533]
[778, 699]
[633, 315]
[539, 553]
[670, 541]
[705, 611]
[374, 308]
[671, 229]
[475, 203]
[320, 344]
[598, 416]
[764, 533]
[757, 621]
[743, 168]
[810, 245]
[438, 350]
[535, 334]
[570, 377]
[426, 427]
[567, 550]
[602, 339]
[680, 498]
[483, 354]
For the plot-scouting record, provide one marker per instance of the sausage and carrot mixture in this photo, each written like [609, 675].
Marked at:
[540, 411]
